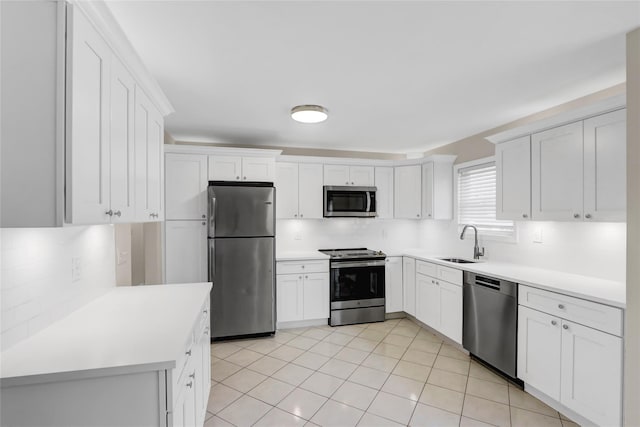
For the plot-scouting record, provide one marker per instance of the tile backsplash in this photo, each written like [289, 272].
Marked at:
[46, 273]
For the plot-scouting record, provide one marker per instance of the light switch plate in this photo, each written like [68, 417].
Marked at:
[76, 268]
[537, 235]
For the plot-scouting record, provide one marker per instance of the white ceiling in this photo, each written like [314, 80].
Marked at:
[395, 76]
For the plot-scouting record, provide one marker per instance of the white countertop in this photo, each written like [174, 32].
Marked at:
[129, 329]
[300, 255]
[594, 289]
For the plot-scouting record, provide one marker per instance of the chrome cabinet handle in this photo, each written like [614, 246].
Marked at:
[565, 326]
[117, 213]
[188, 352]
[525, 216]
[561, 306]
[554, 323]
[588, 216]
[192, 375]
[576, 216]
[190, 384]
[205, 312]
[109, 212]
[206, 331]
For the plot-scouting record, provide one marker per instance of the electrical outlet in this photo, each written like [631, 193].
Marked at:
[76, 269]
[537, 235]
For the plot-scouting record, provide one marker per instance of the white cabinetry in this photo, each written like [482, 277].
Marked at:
[437, 188]
[298, 190]
[384, 193]
[407, 192]
[302, 290]
[438, 301]
[236, 168]
[409, 285]
[393, 284]
[185, 251]
[575, 364]
[186, 186]
[513, 179]
[360, 176]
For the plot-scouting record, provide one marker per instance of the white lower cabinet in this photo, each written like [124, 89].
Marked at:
[393, 284]
[302, 290]
[576, 365]
[409, 285]
[185, 251]
[438, 302]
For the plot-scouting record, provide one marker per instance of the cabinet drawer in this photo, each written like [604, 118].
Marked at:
[296, 267]
[588, 313]
[451, 275]
[427, 268]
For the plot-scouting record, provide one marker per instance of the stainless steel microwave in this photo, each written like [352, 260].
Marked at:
[346, 201]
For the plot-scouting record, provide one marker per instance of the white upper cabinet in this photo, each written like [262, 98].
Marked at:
[88, 148]
[236, 168]
[360, 176]
[186, 251]
[149, 142]
[384, 193]
[437, 188]
[556, 173]
[186, 186]
[605, 171]
[407, 189]
[298, 190]
[513, 180]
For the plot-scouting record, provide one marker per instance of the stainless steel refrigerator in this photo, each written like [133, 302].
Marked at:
[242, 258]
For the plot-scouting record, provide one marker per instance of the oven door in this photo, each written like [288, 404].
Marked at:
[357, 283]
[343, 201]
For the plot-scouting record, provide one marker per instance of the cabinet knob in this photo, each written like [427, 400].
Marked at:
[352, 183]
[117, 213]
[190, 384]
[192, 375]
[561, 306]
[306, 277]
[244, 177]
[188, 352]
[204, 216]
[565, 326]
[301, 216]
[525, 216]
[299, 277]
[418, 215]
[206, 331]
[204, 223]
[109, 212]
[429, 215]
[576, 216]
[295, 215]
[588, 216]
[237, 177]
[302, 266]
[554, 323]
[204, 312]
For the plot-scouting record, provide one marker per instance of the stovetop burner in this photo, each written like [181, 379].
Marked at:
[353, 253]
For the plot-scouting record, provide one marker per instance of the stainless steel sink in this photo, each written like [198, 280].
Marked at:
[458, 260]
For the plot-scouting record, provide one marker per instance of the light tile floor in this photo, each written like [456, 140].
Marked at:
[381, 374]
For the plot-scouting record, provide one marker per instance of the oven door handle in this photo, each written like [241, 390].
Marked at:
[375, 263]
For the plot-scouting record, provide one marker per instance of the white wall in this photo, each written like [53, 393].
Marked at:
[390, 236]
[589, 249]
[36, 285]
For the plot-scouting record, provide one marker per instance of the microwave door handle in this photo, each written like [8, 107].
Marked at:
[368, 201]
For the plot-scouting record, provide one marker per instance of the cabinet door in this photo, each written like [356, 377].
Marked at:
[513, 179]
[316, 296]
[336, 175]
[185, 251]
[407, 189]
[310, 197]
[384, 193]
[286, 190]
[258, 169]
[186, 186]
[427, 190]
[605, 172]
[539, 344]
[149, 140]
[409, 285]
[592, 373]
[361, 176]
[225, 168]
[556, 174]
[202, 378]
[87, 144]
[393, 284]
[289, 294]
[451, 311]
[428, 301]
[121, 143]
[442, 205]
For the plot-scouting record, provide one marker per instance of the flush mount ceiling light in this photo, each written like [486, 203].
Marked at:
[309, 113]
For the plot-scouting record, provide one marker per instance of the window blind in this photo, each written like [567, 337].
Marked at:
[477, 200]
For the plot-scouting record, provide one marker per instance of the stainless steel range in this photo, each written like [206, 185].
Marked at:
[356, 285]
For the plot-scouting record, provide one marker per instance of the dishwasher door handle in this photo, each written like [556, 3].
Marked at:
[487, 285]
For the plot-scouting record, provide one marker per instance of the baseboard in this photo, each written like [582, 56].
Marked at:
[302, 323]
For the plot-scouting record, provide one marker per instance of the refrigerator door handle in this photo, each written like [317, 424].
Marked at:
[212, 260]
[212, 214]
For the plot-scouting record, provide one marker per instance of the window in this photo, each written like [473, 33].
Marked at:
[476, 201]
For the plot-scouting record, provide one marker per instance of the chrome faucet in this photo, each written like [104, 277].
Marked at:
[477, 253]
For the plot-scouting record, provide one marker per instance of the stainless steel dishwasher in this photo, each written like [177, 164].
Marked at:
[490, 318]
